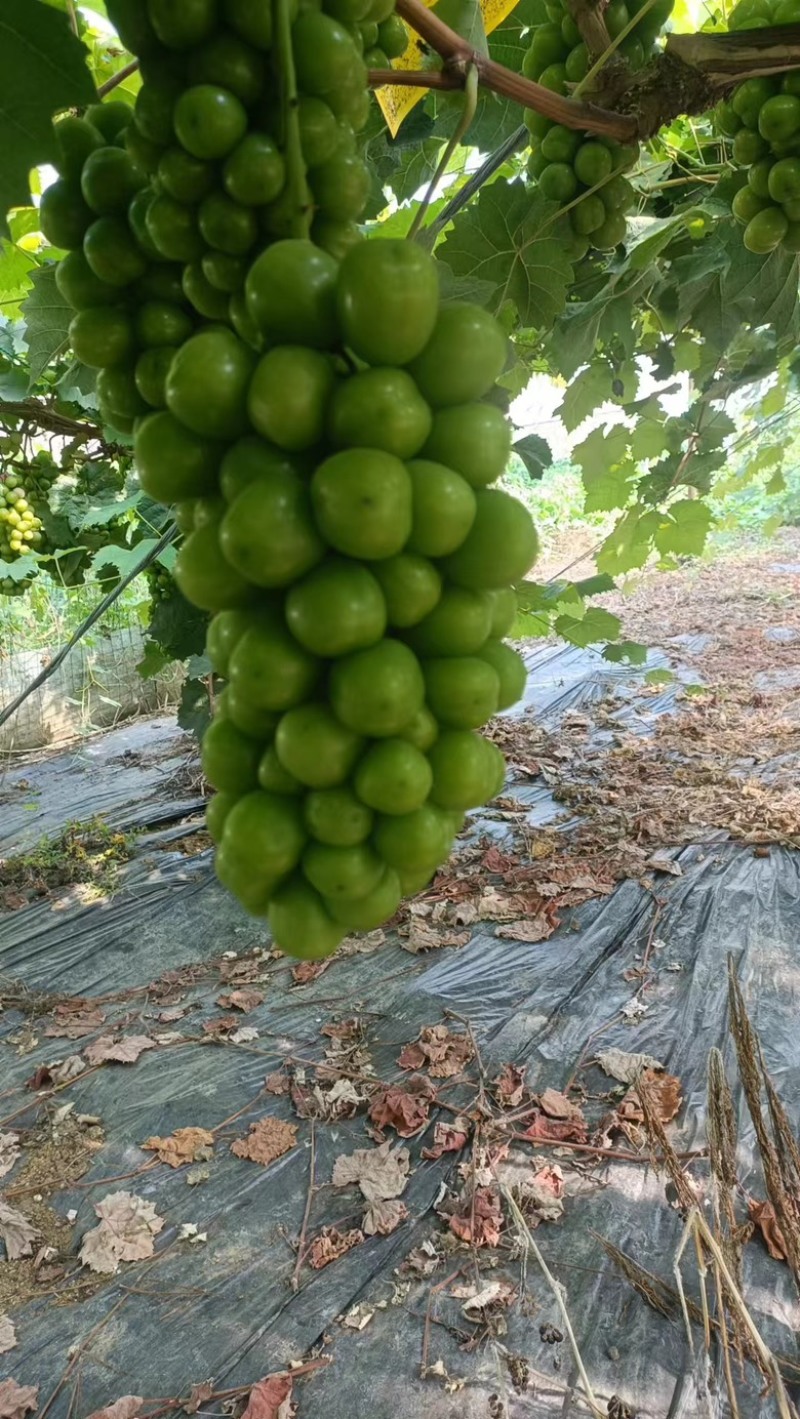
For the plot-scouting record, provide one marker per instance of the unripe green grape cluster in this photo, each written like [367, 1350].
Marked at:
[328, 433]
[21, 529]
[160, 583]
[566, 164]
[762, 117]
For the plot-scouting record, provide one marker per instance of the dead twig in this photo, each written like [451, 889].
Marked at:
[301, 1243]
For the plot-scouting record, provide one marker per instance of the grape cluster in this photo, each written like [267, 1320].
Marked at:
[567, 164]
[762, 116]
[21, 528]
[160, 583]
[325, 429]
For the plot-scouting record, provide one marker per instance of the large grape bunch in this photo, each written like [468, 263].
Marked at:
[762, 116]
[325, 429]
[577, 170]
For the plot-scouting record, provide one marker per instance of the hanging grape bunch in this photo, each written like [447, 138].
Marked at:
[565, 163]
[325, 431]
[21, 528]
[762, 116]
[160, 583]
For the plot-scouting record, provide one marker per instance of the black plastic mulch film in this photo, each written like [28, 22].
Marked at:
[225, 1308]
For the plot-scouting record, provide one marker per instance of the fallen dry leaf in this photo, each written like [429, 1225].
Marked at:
[9, 1152]
[330, 1245]
[481, 1223]
[663, 1092]
[542, 1129]
[8, 1335]
[422, 1261]
[107, 1050]
[380, 1172]
[660, 861]
[198, 1397]
[530, 929]
[537, 1185]
[127, 1407]
[16, 1231]
[266, 1140]
[496, 1295]
[509, 1086]
[125, 1232]
[271, 1398]
[625, 1067]
[306, 971]
[340, 1099]
[384, 1216]
[17, 1400]
[429, 936]
[244, 1035]
[72, 1020]
[59, 1072]
[244, 1000]
[763, 1215]
[403, 1107]
[448, 1138]
[185, 1145]
[277, 1083]
[442, 1053]
[172, 1013]
[556, 1105]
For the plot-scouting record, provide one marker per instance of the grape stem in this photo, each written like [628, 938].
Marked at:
[297, 181]
[467, 115]
[118, 78]
[458, 55]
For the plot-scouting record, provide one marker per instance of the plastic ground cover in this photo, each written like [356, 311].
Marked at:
[225, 1308]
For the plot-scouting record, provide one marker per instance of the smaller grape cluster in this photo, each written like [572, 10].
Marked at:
[21, 528]
[568, 165]
[762, 116]
[160, 583]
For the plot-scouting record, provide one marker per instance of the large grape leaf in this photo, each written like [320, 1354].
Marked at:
[507, 237]
[47, 317]
[42, 71]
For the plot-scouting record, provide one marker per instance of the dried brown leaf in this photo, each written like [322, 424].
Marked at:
[625, 1067]
[330, 1245]
[128, 1407]
[339, 1099]
[185, 1145]
[16, 1231]
[482, 1220]
[107, 1050]
[663, 1091]
[9, 1152]
[556, 1105]
[8, 1335]
[244, 1000]
[125, 1232]
[17, 1400]
[72, 1020]
[199, 1395]
[266, 1140]
[509, 1086]
[448, 1138]
[763, 1215]
[221, 1025]
[542, 1129]
[271, 1398]
[307, 971]
[383, 1217]
[277, 1083]
[405, 1108]
[429, 936]
[442, 1053]
[380, 1172]
[532, 929]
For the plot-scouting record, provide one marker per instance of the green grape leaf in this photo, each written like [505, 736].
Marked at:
[609, 487]
[178, 627]
[153, 661]
[27, 564]
[122, 559]
[659, 677]
[47, 317]
[535, 453]
[194, 708]
[684, 528]
[505, 237]
[42, 71]
[596, 585]
[601, 448]
[16, 266]
[590, 388]
[630, 651]
[653, 236]
[596, 625]
[629, 544]
[648, 439]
